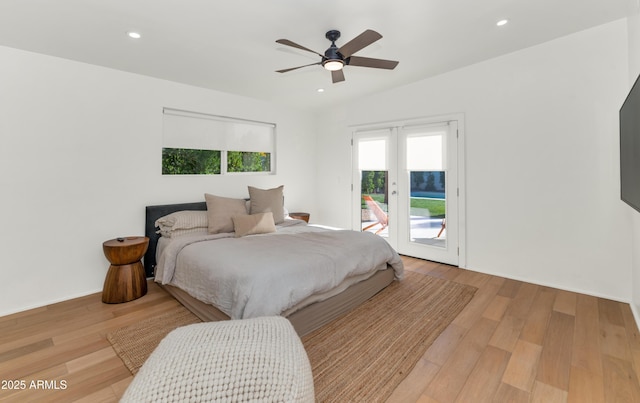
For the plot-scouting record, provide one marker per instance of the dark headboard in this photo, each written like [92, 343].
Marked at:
[152, 213]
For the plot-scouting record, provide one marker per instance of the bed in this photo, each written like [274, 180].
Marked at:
[295, 244]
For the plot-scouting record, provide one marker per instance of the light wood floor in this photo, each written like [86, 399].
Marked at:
[514, 342]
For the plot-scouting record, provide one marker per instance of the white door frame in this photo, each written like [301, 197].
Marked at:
[393, 127]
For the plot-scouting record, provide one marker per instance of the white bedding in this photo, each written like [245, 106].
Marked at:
[263, 275]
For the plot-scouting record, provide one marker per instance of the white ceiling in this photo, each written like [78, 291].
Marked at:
[230, 45]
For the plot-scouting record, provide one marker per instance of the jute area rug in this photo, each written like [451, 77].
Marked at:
[359, 357]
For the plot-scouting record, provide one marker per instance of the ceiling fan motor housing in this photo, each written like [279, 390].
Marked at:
[332, 53]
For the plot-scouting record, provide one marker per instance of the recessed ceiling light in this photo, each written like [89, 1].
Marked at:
[320, 90]
[502, 22]
[134, 35]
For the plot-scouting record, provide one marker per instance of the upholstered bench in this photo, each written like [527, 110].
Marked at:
[251, 360]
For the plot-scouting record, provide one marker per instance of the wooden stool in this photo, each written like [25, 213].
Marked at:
[126, 278]
[300, 216]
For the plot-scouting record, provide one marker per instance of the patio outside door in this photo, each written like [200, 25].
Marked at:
[406, 188]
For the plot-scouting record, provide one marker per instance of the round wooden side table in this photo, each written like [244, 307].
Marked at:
[300, 216]
[126, 278]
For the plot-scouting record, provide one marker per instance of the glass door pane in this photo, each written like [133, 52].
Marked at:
[374, 161]
[427, 202]
[374, 193]
[425, 164]
[427, 212]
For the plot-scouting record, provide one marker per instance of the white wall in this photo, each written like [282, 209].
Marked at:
[80, 158]
[542, 159]
[634, 71]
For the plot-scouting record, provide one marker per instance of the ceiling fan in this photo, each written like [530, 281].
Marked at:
[334, 58]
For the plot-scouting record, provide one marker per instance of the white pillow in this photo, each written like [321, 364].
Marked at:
[182, 223]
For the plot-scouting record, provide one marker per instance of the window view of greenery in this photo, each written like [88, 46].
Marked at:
[239, 161]
[427, 190]
[183, 161]
[374, 184]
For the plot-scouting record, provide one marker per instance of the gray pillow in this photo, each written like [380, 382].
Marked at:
[268, 200]
[220, 210]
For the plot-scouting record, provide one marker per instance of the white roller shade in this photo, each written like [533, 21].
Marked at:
[373, 149]
[182, 129]
[426, 148]
[372, 155]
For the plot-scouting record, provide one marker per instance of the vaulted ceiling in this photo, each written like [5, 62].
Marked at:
[230, 45]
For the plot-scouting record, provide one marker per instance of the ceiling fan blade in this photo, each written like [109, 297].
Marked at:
[295, 45]
[294, 68]
[337, 76]
[374, 63]
[364, 39]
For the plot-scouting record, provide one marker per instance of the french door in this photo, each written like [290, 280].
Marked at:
[406, 187]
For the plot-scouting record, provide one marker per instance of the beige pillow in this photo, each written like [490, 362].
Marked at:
[220, 210]
[269, 200]
[261, 223]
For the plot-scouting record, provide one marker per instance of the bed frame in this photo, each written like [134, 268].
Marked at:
[304, 321]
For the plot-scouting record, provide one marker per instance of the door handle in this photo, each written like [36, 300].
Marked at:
[394, 192]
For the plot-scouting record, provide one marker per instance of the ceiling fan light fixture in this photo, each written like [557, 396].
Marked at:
[336, 58]
[333, 65]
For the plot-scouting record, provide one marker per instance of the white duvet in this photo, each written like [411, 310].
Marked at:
[262, 275]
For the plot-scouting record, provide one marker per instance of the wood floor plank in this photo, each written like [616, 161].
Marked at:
[483, 297]
[86, 361]
[610, 312]
[585, 386]
[104, 395]
[445, 344]
[507, 393]
[9, 320]
[483, 382]
[620, 383]
[445, 272]
[426, 399]
[53, 325]
[586, 342]
[510, 288]
[543, 393]
[120, 386]
[523, 364]
[497, 307]
[509, 329]
[471, 278]
[507, 333]
[633, 337]
[613, 341]
[555, 360]
[536, 322]
[27, 349]
[411, 388]
[565, 302]
[419, 265]
[23, 366]
[452, 376]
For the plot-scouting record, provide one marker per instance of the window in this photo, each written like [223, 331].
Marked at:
[186, 161]
[201, 144]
